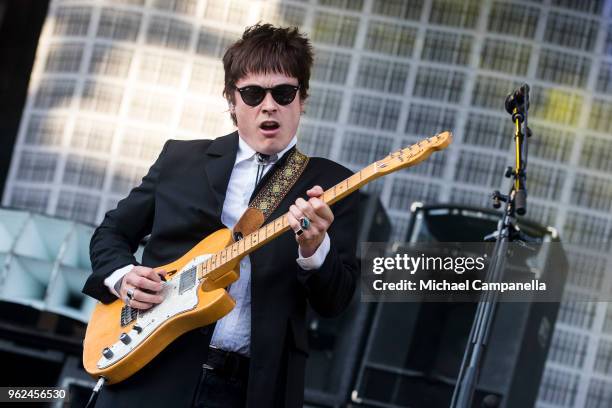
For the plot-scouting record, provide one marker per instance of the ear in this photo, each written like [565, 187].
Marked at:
[232, 108]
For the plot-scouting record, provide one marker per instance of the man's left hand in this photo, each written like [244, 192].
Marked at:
[320, 216]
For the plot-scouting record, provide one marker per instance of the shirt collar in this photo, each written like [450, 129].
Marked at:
[246, 152]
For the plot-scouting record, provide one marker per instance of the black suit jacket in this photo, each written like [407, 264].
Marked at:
[178, 203]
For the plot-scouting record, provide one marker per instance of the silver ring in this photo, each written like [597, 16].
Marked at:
[130, 293]
[305, 223]
[299, 232]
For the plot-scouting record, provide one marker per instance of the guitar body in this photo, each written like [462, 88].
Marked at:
[184, 308]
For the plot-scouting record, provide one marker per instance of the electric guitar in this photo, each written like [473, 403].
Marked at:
[120, 340]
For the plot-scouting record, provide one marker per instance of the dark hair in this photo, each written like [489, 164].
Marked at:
[265, 48]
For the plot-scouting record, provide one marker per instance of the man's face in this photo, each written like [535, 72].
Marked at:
[268, 127]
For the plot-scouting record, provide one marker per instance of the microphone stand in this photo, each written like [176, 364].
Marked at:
[517, 104]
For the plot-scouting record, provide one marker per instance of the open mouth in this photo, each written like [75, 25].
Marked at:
[269, 125]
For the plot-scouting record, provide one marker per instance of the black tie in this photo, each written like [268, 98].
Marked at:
[262, 160]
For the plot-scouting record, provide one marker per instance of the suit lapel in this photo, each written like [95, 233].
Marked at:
[220, 162]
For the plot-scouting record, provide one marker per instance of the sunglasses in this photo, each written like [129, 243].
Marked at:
[283, 94]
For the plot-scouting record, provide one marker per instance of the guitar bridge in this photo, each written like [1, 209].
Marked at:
[128, 315]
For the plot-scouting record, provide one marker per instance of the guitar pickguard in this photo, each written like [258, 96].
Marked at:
[180, 295]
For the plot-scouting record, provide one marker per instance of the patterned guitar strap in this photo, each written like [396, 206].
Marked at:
[271, 194]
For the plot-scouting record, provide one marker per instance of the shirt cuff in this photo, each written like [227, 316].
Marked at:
[316, 260]
[114, 277]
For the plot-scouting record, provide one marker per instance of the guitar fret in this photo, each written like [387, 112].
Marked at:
[353, 180]
[326, 196]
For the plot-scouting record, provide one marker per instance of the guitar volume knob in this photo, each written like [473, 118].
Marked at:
[108, 353]
[125, 338]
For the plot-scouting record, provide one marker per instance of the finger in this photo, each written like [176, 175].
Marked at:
[295, 211]
[141, 282]
[306, 209]
[293, 222]
[126, 285]
[316, 191]
[139, 305]
[320, 222]
[144, 297]
[311, 233]
[322, 209]
[296, 227]
[150, 273]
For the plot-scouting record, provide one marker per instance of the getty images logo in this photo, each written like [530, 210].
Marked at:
[412, 264]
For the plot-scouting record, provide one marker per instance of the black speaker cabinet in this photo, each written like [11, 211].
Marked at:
[414, 351]
[336, 345]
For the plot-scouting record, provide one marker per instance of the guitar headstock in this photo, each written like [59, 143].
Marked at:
[414, 154]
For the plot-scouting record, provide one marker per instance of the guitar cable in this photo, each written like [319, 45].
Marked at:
[94, 394]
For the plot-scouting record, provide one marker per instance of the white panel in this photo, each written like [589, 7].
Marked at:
[64, 295]
[11, 223]
[26, 280]
[42, 237]
[76, 252]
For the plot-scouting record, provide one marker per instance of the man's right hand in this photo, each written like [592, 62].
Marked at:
[147, 285]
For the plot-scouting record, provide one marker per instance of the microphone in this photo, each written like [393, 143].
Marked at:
[518, 99]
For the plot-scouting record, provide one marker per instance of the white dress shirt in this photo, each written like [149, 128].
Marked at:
[233, 332]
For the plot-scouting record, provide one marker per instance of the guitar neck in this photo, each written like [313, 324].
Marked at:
[401, 159]
[280, 225]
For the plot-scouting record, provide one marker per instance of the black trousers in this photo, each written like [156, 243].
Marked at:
[223, 382]
[217, 391]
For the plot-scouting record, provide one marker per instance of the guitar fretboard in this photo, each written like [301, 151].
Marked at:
[273, 229]
[395, 161]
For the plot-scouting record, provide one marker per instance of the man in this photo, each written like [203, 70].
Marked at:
[254, 356]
